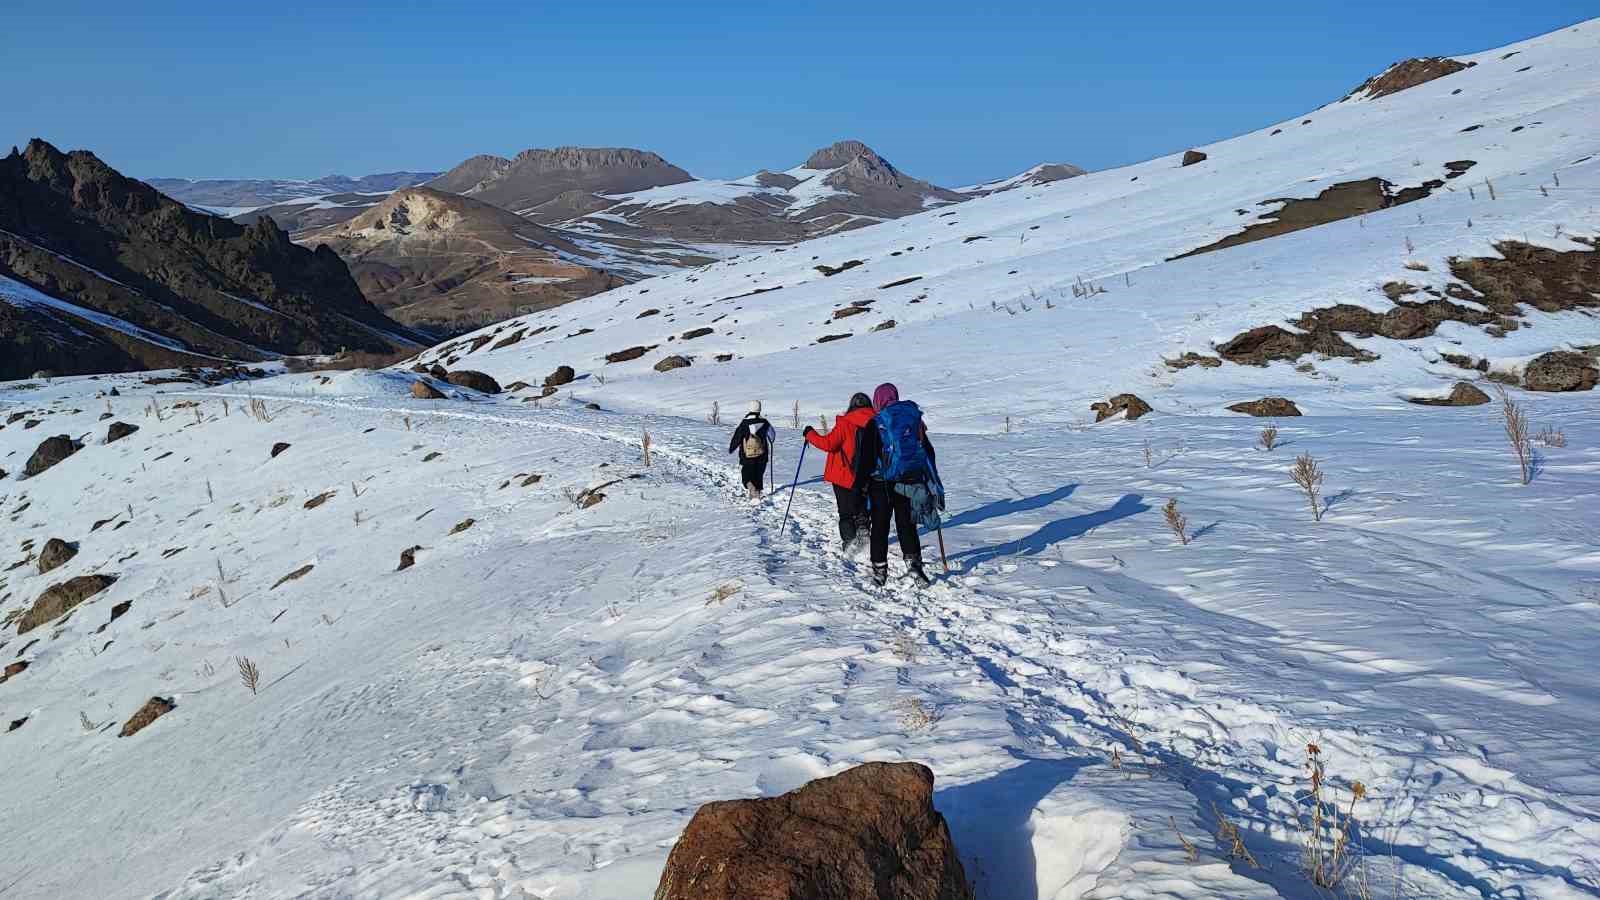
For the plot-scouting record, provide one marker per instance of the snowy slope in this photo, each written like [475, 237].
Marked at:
[995, 276]
[538, 705]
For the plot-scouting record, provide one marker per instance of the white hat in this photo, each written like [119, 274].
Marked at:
[755, 407]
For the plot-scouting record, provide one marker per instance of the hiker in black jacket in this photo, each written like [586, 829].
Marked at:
[753, 440]
[904, 497]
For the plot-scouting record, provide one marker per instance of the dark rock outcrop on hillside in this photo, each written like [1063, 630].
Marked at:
[869, 833]
[1267, 407]
[75, 230]
[1407, 73]
[1129, 405]
[1462, 394]
[50, 451]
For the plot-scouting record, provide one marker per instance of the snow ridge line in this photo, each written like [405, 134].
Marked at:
[1238, 771]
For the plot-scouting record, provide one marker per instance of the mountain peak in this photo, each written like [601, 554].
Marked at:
[843, 153]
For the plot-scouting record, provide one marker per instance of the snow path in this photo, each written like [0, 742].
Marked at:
[1070, 698]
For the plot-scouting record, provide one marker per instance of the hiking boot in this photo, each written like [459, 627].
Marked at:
[919, 576]
[880, 574]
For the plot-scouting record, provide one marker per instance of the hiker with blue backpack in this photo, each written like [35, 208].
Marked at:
[896, 473]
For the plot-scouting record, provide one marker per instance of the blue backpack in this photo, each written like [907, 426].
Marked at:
[903, 457]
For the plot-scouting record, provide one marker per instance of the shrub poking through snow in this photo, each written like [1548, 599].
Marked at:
[249, 675]
[646, 443]
[1552, 437]
[1329, 857]
[1269, 437]
[1176, 521]
[1515, 424]
[1228, 834]
[1308, 475]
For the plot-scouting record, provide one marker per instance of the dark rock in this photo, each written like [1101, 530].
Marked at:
[60, 599]
[869, 833]
[547, 390]
[422, 390]
[50, 452]
[293, 576]
[562, 375]
[277, 448]
[1463, 394]
[673, 362]
[119, 430]
[1132, 407]
[1190, 157]
[693, 333]
[55, 554]
[647, 313]
[463, 525]
[1267, 407]
[438, 372]
[476, 381]
[1561, 370]
[627, 355]
[1193, 359]
[885, 325]
[593, 406]
[13, 669]
[408, 558]
[153, 709]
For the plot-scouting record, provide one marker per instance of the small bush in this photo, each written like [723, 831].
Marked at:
[1176, 521]
[1552, 437]
[1308, 475]
[1515, 424]
[249, 674]
[1269, 438]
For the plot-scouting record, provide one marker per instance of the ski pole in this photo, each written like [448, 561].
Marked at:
[793, 487]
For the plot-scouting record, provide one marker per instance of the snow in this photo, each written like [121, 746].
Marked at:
[18, 294]
[537, 707]
[691, 193]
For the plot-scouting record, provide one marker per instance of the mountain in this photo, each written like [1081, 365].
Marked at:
[445, 263]
[537, 176]
[236, 194]
[99, 272]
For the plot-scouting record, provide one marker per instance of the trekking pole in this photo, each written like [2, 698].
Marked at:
[939, 527]
[793, 487]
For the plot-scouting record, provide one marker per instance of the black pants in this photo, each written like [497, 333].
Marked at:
[754, 471]
[852, 518]
[884, 499]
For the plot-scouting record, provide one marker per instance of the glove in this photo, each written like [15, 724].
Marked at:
[808, 430]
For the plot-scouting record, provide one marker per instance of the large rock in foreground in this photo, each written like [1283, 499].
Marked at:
[870, 833]
[51, 451]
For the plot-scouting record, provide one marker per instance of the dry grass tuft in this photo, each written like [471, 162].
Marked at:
[1176, 521]
[1269, 438]
[1308, 475]
[1515, 424]
[1328, 855]
[1189, 850]
[723, 592]
[249, 674]
[1552, 437]
[1228, 834]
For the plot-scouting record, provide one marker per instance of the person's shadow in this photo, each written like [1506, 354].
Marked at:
[991, 824]
[1054, 532]
[1002, 508]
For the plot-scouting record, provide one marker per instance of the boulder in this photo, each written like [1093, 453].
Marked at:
[1190, 157]
[49, 452]
[1128, 404]
[1561, 370]
[438, 372]
[1463, 394]
[476, 381]
[562, 375]
[60, 599]
[546, 391]
[627, 355]
[673, 362]
[153, 709]
[277, 448]
[1267, 407]
[55, 554]
[119, 430]
[869, 833]
[425, 391]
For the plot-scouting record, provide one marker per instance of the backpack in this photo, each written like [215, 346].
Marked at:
[753, 446]
[903, 457]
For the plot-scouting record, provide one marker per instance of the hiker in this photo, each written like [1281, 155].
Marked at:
[896, 472]
[840, 445]
[753, 440]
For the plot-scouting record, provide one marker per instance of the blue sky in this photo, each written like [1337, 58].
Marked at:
[952, 92]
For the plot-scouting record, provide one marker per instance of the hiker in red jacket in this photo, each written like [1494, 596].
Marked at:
[840, 445]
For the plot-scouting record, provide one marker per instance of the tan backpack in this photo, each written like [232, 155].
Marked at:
[753, 445]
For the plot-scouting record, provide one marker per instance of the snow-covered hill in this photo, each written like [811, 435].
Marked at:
[1034, 302]
[472, 679]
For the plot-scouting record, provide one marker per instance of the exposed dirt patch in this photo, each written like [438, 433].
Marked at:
[1340, 201]
[1548, 280]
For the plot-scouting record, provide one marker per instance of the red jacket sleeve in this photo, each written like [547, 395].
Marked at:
[830, 442]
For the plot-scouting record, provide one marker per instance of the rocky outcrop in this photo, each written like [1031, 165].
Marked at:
[1561, 370]
[73, 229]
[1127, 404]
[51, 451]
[1405, 74]
[869, 833]
[628, 355]
[1463, 394]
[60, 599]
[56, 553]
[119, 430]
[1267, 407]
[153, 709]
[667, 364]
[539, 175]
[422, 390]
[477, 381]
[1190, 157]
[562, 375]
